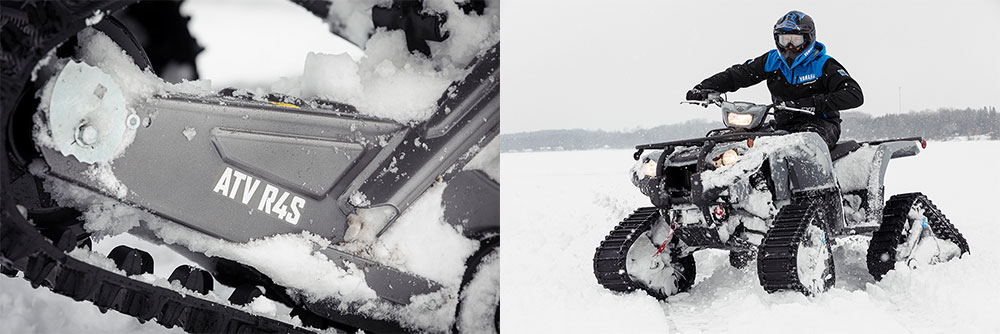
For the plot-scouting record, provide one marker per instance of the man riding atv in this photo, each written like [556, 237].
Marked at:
[799, 74]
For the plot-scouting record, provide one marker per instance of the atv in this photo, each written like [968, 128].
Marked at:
[778, 197]
[219, 175]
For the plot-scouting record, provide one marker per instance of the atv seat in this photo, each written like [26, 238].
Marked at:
[841, 149]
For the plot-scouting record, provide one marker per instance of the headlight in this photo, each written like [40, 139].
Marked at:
[730, 157]
[739, 119]
[649, 168]
[727, 158]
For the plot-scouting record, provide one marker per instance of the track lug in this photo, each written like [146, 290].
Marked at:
[66, 238]
[73, 237]
[12, 244]
[109, 295]
[309, 318]
[132, 261]
[8, 271]
[244, 294]
[192, 278]
[74, 284]
[171, 314]
[39, 267]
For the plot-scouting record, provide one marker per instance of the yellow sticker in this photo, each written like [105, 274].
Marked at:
[282, 104]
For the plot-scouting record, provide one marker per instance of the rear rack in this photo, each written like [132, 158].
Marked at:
[923, 143]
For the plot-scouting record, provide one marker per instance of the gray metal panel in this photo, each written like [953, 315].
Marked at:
[177, 178]
[306, 165]
[472, 200]
[389, 283]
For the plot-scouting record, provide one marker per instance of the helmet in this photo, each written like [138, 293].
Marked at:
[794, 33]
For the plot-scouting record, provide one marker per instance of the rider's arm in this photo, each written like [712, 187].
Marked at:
[738, 76]
[844, 92]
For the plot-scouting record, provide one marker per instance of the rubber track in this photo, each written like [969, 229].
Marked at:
[777, 267]
[43, 264]
[890, 233]
[610, 257]
[28, 30]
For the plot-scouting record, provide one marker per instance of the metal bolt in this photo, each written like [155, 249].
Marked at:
[132, 121]
[87, 134]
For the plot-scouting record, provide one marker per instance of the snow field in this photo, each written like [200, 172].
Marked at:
[560, 205]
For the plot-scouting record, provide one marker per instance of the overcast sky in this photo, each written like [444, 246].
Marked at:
[613, 65]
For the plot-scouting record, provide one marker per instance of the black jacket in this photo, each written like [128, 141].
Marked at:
[813, 80]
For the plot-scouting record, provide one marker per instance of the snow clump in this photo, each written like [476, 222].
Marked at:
[390, 81]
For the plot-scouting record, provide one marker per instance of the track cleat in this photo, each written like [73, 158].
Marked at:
[132, 261]
[192, 278]
[8, 271]
[244, 294]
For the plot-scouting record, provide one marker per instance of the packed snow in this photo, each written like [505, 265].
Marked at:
[386, 80]
[481, 297]
[487, 159]
[563, 213]
[97, 17]
[811, 260]
[421, 242]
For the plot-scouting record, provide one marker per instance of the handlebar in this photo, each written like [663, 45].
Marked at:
[718, 100]
[782, 107]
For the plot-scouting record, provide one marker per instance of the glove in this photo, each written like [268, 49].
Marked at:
[808, 103]
[698, 94]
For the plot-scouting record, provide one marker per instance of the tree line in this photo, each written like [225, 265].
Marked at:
[941, 124]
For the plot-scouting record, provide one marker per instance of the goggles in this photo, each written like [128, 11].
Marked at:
[793, 39]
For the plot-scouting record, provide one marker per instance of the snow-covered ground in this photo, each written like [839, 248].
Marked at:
[558, 206]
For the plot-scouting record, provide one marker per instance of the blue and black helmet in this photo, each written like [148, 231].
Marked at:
[795, 23]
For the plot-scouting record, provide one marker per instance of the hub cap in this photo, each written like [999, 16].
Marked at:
[87, 114]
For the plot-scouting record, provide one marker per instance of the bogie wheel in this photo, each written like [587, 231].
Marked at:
[913, 232]
[739, 259]
[479, 299]
[795, 254]
[663, 274]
